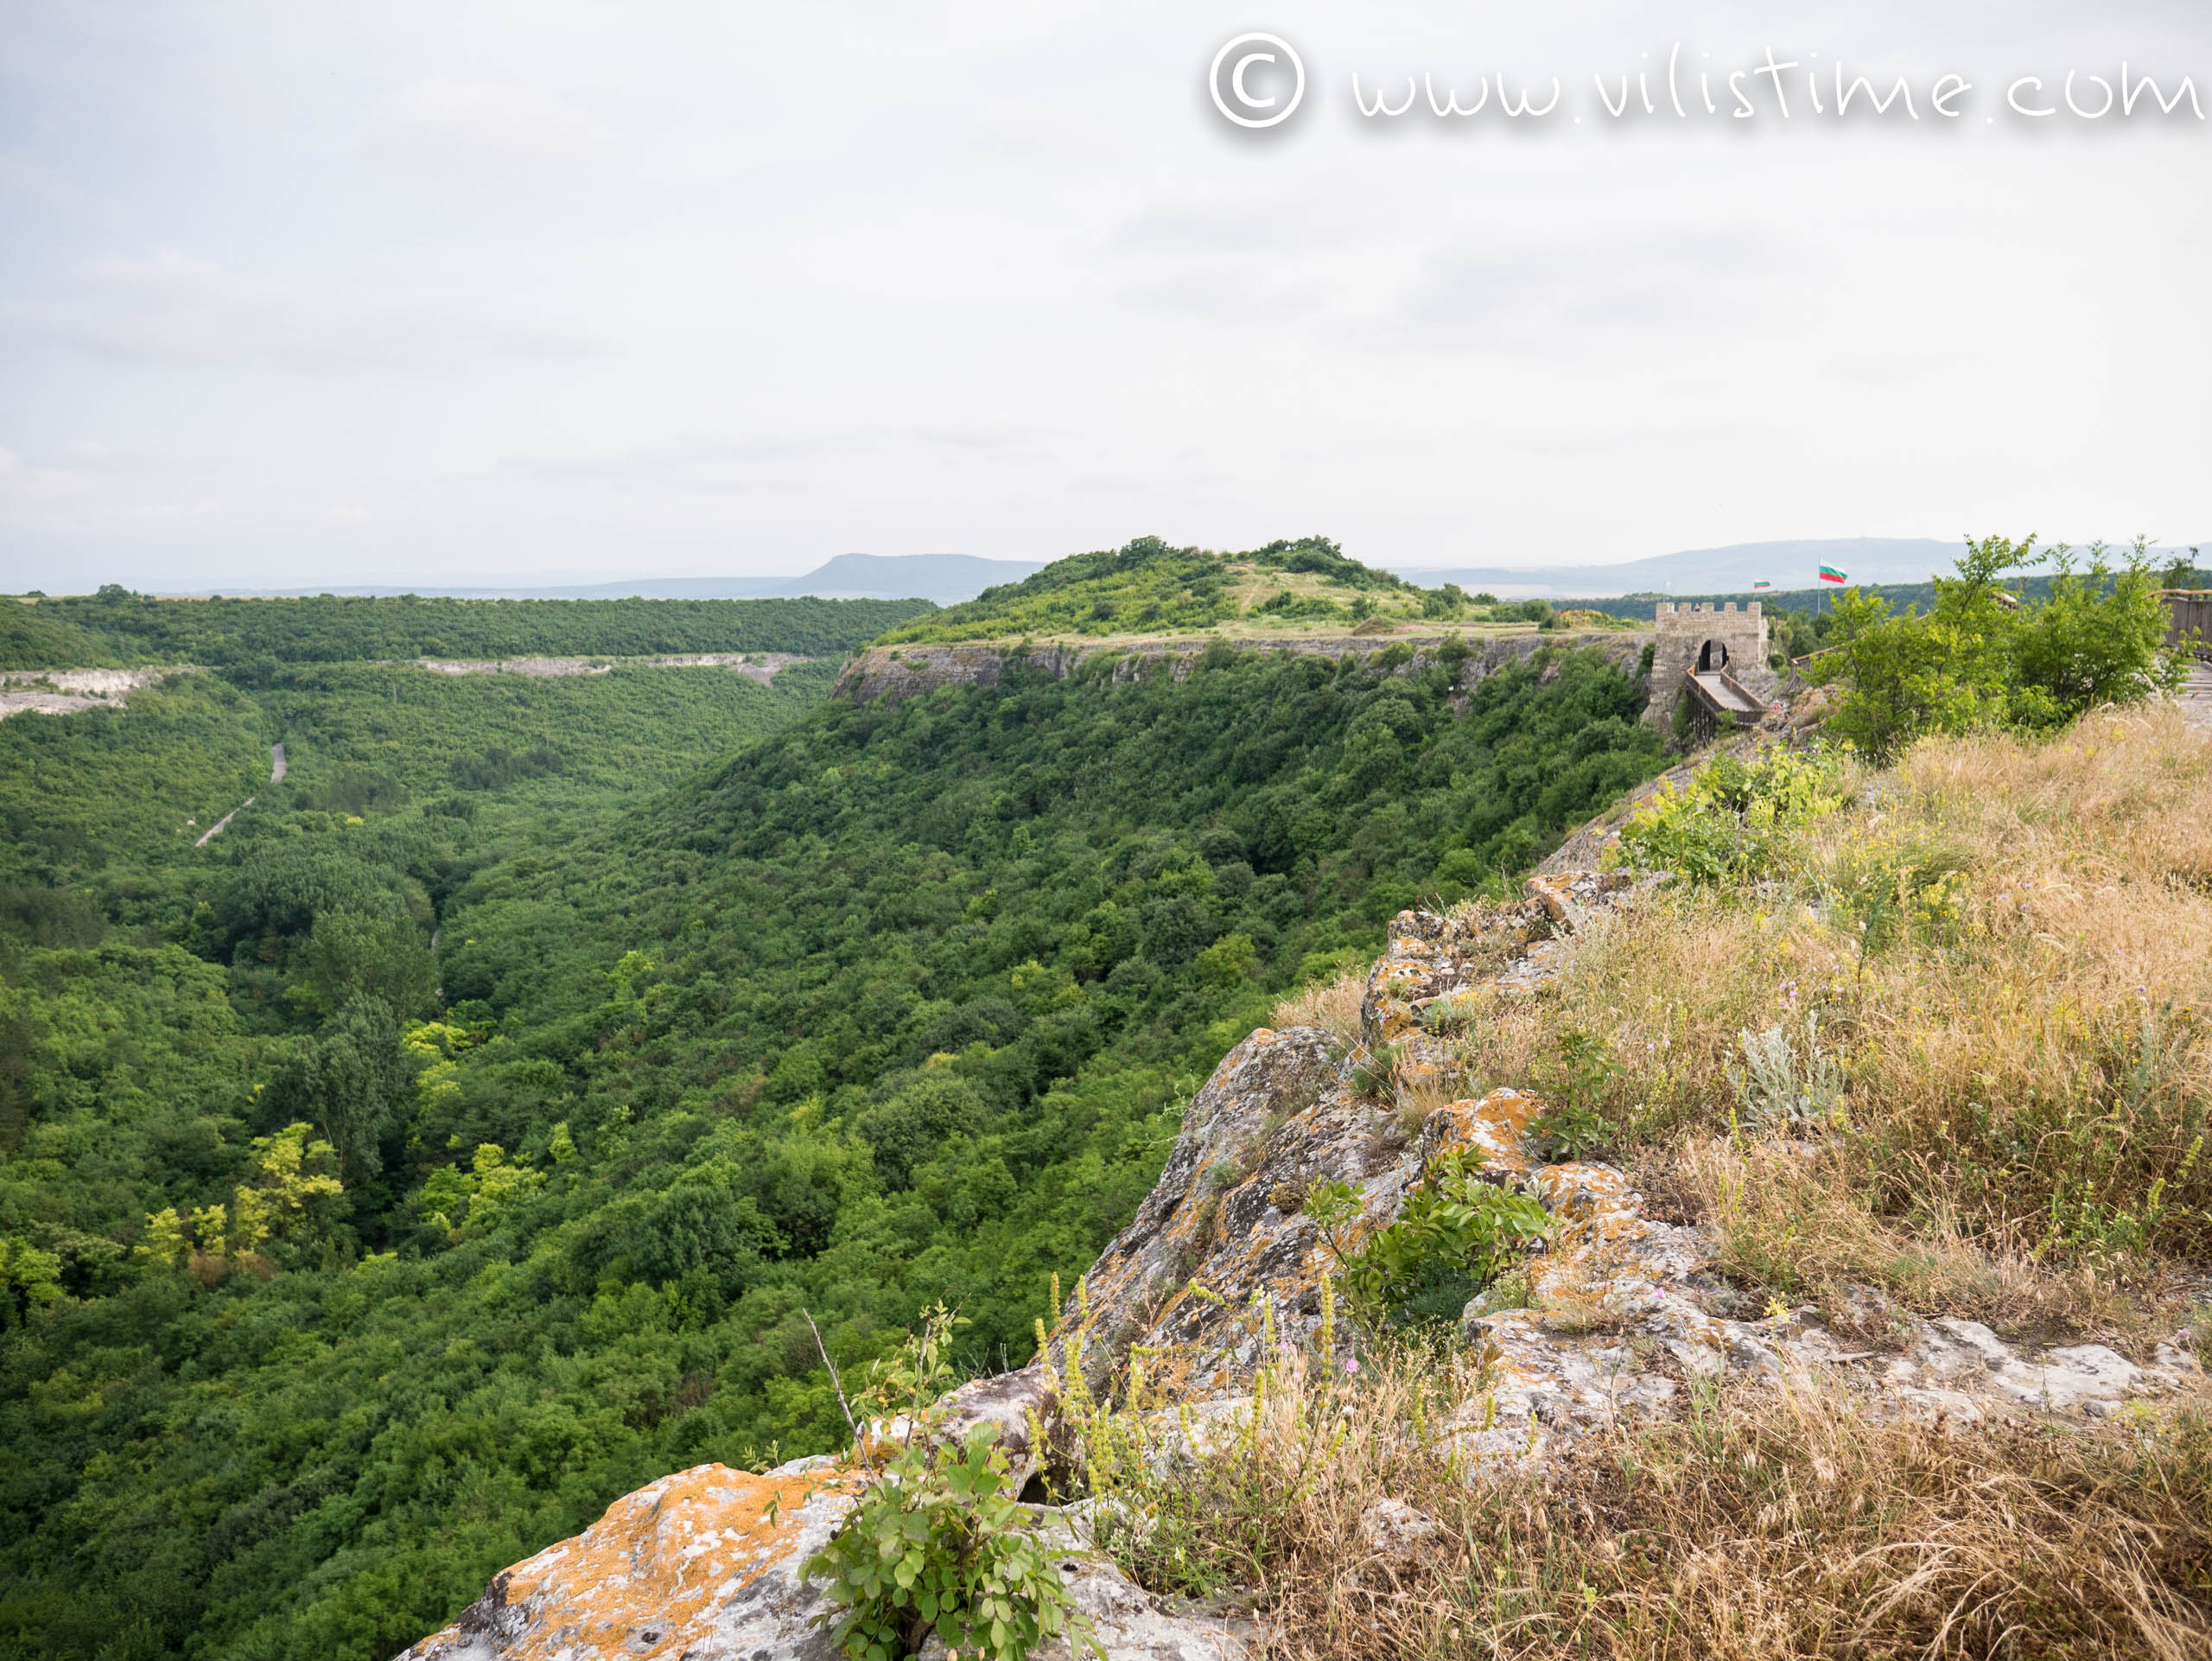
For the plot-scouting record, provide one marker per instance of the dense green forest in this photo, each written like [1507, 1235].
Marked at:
[116, 626]
[455, 1143]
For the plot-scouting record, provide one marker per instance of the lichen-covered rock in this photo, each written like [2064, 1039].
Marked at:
[1442, 958]
[896, 673]
[1224, 1225]
[1020, 1406]
[704, 1566]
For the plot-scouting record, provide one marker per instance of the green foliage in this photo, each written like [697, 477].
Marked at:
[1334, 1205]
[381, 956]
[1980, 658]
[1149, 587]
[1455, 1233]
[29, 1279]
[253, 634]
[34, 636]
[107, 788]
[883, 1005]
[1573, 1124]
[1736, 820]
[935, 1544]
[349, 1080]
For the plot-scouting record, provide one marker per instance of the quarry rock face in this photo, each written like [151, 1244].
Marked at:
[1221, 1276]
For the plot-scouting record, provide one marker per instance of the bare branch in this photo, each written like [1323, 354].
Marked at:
[835, 1383]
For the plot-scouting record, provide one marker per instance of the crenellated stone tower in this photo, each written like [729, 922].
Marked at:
[1702, 637]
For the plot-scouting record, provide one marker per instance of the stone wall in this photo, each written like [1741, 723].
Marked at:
[1706, 637]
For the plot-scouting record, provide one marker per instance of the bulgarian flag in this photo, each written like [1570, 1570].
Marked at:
[1830, 574]
[1757, 586]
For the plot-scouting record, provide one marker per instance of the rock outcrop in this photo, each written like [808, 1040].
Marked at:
[704, 1566]
[1221, 1261]
[896, 673]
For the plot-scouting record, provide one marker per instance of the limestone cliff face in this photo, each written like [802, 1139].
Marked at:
[896, 673]
[1221, 1261]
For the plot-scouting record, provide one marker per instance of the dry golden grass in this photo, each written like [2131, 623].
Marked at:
[2008, 943]
[1762, 1523]
[1800, 1220]
[1333, 1006]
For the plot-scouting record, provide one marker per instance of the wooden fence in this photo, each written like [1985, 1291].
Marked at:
[2188, 618]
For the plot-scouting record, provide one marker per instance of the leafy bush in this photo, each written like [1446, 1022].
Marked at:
[1582, 1070]
[1735, 820]
[935, 1545]
[1980, 658]
[1454, 1227]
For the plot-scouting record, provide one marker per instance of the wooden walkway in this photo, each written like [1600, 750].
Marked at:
[2195, 696]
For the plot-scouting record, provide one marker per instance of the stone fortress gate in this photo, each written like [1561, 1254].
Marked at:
[1717, 654]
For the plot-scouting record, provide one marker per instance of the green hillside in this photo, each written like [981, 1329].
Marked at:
[35, 636]
[619, 1081]
[329, 629]
[1148, 588]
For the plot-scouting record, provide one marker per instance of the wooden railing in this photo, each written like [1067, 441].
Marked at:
[2189, 619]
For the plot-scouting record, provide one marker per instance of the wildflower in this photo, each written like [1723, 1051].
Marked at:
[1351, 1364]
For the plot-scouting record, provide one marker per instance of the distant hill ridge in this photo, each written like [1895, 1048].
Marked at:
[954, 579]
[945, 579]
[1787, 564]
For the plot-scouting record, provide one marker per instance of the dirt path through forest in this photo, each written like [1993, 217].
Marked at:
[276, 776]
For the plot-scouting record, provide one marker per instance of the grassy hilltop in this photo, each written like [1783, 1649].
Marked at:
[1148, 588]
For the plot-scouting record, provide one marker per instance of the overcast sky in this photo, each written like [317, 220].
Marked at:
[294, 293]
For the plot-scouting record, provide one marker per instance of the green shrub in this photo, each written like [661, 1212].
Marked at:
[1979, 659]
[1454, 1227]
[1580, 1072]
[1736, 819]
[935, 1544]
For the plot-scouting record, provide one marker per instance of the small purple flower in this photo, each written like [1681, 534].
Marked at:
[1351, 1364]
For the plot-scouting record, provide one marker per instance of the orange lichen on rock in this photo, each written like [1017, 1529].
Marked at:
[1497, 1125]
[652, 1577]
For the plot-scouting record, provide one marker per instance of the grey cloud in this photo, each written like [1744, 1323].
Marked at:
[709, 461]
[472, 123]
[170, 308]
[1584, 282]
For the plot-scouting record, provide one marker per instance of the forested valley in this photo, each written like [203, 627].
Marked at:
[469, 1134]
